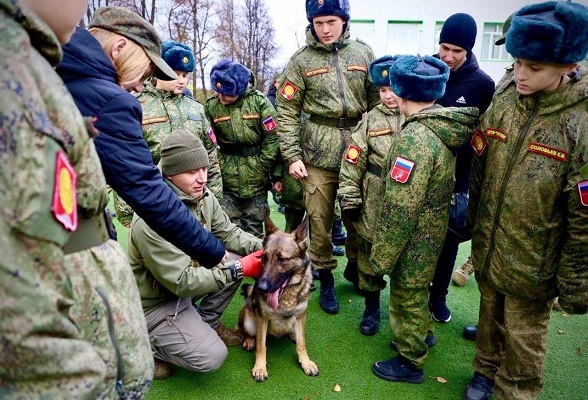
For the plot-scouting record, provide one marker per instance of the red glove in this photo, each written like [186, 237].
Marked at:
[252, 264]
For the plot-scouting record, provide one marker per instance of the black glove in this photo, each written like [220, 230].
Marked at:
[352, 213]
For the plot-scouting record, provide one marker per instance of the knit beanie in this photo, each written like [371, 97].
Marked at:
[459, 30]
[182, 151]
[379, 70]
[320, 8]
[554, 31]
[178, 56]
[229, 78]
[419, 79]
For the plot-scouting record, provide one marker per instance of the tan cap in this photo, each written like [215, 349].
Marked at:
[132, 26]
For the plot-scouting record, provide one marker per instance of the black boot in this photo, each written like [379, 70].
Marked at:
[328, 297]
[371, 315]
[338, 251]
[351, 274]
[338, 235]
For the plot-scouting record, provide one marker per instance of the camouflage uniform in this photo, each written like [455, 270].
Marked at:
[55, 345]
[411, 226]
[530, 241]
[361, 184]
[163, 112]
[248, 147]
[331, 83]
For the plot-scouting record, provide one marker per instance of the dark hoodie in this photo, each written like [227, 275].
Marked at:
[128, 167]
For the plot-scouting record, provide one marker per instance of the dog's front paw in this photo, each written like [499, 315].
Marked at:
[259, 373]
[310, 368]
[249, 343]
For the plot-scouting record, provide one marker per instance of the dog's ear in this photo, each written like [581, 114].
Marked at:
[301, 233]
[270, 227]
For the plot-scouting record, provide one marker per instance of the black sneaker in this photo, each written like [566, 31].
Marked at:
[398, 369]
[338, 251]
[480, 388]
[328, 299]
[439, 310]
[430, 341]
[470, 332]
[369, 323]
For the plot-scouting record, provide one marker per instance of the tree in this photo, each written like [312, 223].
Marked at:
[190, 22]
[144, 8]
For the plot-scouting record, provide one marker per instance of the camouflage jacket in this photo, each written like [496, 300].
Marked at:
[164, 112]
[418, 170]
[249, 124]
[360, 182]
[327, 82]
[47, 348]
[530, 235]
[163, 272]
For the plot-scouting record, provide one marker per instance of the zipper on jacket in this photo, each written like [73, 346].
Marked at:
[511, 163]
[341, 93]
[119, 362]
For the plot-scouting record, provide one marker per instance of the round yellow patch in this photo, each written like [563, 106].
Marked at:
[478, 143]
[66, 191]
[288, 90]
[352, 153]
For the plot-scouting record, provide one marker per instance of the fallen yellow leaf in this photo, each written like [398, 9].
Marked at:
[560, 332]
[441, 380]
[337, 388]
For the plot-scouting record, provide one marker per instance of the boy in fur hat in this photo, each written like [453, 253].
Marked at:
[418, 173]
[529, 200]
[169, 280]
[244, 123]
[361, 186]
[166, 107]
[327, 79]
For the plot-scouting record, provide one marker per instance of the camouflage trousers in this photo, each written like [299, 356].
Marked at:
[124, 212]
[369, 280]
[320, 192]
[247, 214]
[410, 321]
[511, 342]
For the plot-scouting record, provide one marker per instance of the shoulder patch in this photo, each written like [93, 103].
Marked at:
[380, 132]
[478, 143]
[251, 116]
[352, 154]
[316, 71]
[154, 120]
[552, 152]
[583, 189]
[269, 124]
[288, 90]
[401, 169]
[211, 135]
[64, 205]
[221, 119]
[357, 67]
[496, 134]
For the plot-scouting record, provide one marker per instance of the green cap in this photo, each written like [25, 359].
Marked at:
[132, 26]
[505, 27]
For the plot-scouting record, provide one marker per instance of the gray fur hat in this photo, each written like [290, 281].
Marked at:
[182, 151]
[320, 8]
[419, 79]
[554, 31]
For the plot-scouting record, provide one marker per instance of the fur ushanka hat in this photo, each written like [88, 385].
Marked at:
[178, 56]
[320, 8]
[419, 79]
[380, 68]
[554, 31]
[229, 78]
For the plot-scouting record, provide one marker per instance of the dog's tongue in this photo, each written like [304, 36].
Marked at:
[273, 299]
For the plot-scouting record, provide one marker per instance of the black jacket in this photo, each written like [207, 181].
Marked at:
[126, 161]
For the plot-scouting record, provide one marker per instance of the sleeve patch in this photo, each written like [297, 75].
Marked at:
[401, 169]
[478, 143]
[288, 90]
[269, 124]
[211, 135]
[352, 154]
[64, 206]
[583, 189]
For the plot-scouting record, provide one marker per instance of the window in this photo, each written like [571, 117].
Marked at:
[364, 30]
[493, 32]
[438, 27]
[403, 37]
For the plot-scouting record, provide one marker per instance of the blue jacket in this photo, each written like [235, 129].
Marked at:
[127, 163]
[468, 86]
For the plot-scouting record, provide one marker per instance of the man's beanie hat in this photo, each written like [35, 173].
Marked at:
[459, 30]
[505, 28]
[553, 31]
[229, 78]
[379, 70]
[320, 8]
[182, 151]
[126, 23]
[419, 79]
[178, 56]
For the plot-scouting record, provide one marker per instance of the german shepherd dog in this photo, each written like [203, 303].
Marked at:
[276, 304]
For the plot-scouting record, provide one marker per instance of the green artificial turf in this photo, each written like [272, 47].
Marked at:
[345, 357]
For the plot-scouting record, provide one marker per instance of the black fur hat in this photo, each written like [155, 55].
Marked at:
[178, 56]
[319, 8]
[419, 79]
[554, 31]
[229, 78]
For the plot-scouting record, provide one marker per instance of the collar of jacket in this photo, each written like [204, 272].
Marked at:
[185, 198]
[160, 93]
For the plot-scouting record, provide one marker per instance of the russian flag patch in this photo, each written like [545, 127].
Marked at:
[401, 169]
[269, 124]
[583, 189]
[211, 135]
